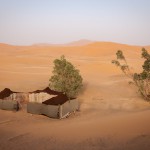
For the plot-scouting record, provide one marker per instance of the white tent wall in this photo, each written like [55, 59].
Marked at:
[39, 97]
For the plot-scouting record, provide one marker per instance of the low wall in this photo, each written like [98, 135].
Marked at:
[69, 106]
[1, 104]
[34, 108]
[9, 105]
[42, 109]
[53, 111]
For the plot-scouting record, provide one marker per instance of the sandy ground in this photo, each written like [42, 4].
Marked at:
[112, 114]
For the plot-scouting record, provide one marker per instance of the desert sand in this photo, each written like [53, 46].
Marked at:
[112, 116]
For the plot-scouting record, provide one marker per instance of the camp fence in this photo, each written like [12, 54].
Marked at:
[9, 105]
[53, 111]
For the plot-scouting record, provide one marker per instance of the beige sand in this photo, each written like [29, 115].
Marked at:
[112, 114]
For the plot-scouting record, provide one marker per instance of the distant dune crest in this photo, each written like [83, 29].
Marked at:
[80, 42]
[74, 43]
[77, 48]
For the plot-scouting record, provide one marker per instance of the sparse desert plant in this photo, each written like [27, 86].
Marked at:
[140, 80]
[66, 78]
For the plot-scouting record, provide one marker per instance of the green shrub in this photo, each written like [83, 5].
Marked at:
[140, 80]
[66, 78]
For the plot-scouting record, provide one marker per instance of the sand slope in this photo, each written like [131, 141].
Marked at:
[111, 111]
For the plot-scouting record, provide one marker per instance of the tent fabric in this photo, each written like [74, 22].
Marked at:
[34, 108]
[57, 100]
[6, 93]
[9, 105]
[69, 106]
[53, 111]
[50, 111]
[42, 109]
[47, 90]
[1, 104]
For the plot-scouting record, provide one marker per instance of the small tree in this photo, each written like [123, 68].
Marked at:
[141, 80]
[65, 78]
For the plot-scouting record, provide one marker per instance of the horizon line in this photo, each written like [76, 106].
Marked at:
[71, 43]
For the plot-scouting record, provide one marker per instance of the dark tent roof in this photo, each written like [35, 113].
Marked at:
[6, 93]
[47, 90]
[57, 100]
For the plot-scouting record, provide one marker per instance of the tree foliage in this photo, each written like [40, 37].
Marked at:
[66, 78]
[140, 80]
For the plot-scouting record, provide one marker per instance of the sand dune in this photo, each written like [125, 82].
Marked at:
[112, 114]
[74, 43]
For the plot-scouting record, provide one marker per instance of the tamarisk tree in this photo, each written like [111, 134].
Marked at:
[140, 80]
[66, 78]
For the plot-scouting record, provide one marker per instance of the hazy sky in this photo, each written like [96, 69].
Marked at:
[25, 22]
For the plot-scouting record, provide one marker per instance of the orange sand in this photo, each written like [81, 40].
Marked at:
[112, 114]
